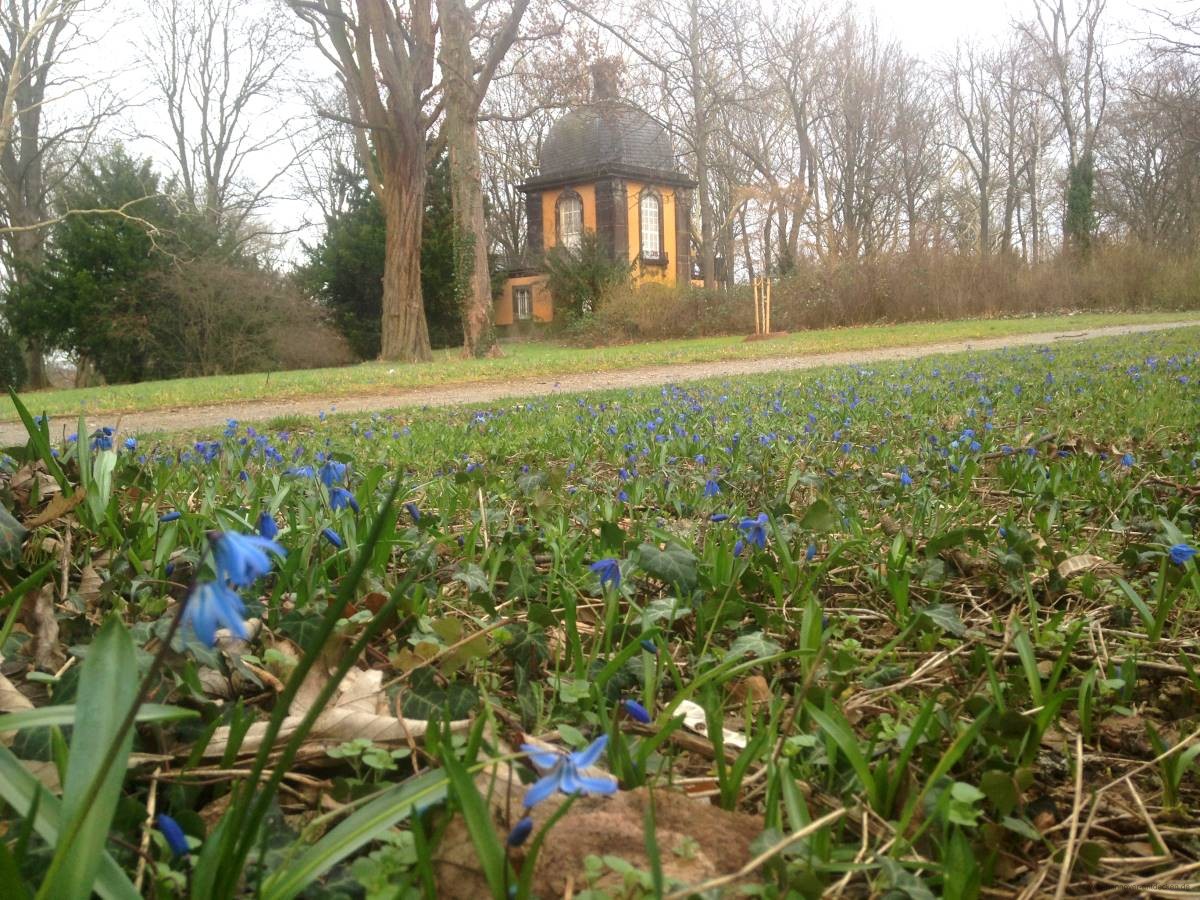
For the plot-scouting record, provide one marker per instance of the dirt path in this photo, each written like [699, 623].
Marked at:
[205, 417]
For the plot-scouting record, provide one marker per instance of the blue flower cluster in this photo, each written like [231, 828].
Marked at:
[239, 560]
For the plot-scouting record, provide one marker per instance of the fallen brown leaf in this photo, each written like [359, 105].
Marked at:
[42, 621]
[359, 709]
[58, 507]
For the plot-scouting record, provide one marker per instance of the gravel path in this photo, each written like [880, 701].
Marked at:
[205, 417]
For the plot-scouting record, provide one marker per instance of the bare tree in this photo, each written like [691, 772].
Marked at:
[858, 138]
[465, 81]
[385, 60]
[218, 67]
[1149, 157]
[970, 90]
[1067, 38]
[36, 150]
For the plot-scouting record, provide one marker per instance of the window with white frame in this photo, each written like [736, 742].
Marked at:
[570, 221]
[523, 302]
[651, 218]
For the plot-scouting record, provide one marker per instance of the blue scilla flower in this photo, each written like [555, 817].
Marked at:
[242, 558]
[212, 605]
[340, 498]
[130, 443]
[711, 488]
[333, 537]
[413, 511]
[266, 525]
[1127, 460]
[1181, 553]
[622, 496]
[649, 646]
[171, 515]
[754, 532]
[718, 517]
[301, 471]
[520, 832]
[170, 830]
[563, 772]
[905, 478]
[332, 472]
[609, 571]
[636, 711]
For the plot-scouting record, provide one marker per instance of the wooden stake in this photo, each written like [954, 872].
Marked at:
[756, 310]
[767, 316]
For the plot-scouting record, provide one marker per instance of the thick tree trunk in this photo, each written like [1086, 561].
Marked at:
[27, 249]
[405, 335]
[473, 286]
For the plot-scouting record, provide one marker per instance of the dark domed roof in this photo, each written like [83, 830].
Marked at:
[605, 135]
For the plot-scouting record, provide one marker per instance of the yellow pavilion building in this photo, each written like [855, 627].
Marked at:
[609, 168]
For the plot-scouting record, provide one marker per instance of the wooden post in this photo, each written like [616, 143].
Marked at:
[767, 313]
[756, 307]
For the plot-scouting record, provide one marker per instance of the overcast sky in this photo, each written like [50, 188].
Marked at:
[927, 28]
[931, 27]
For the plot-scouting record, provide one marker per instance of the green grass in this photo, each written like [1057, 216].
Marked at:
[536, 359]
[924, 593]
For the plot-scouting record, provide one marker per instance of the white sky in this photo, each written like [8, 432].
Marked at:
[927, 28]
[931, 27]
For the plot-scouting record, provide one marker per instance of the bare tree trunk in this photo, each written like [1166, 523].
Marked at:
[472, 284]
[708, 252]
[405, 335]
[1035, 231]
[746, 241]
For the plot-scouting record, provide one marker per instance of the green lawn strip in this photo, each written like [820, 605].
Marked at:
[540, 359]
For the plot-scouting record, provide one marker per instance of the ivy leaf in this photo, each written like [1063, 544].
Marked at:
[675, 565]
[946, 618]
[473, 577]
[427, 699]
[753, 644]
[819, 517]
[668, 610]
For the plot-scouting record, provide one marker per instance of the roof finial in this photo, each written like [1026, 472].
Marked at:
[604, 78]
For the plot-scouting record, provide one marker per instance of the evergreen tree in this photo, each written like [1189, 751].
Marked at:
[345, 270]
[579, 278]
[96, 293]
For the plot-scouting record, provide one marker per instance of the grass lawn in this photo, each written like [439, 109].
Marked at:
[533, 359]
[933, 621]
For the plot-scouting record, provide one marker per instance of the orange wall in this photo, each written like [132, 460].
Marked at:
[543, 308]
[656, 274]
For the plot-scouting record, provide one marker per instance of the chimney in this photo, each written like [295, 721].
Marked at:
[604, 79]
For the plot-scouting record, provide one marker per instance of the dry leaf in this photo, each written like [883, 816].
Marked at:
[11, 700]
[89, 585]
[754, 687]
[42, 623]
[57, 508]
[694, 719]
[45, 772]
[359, 709]
[1084, 562]
[214, 683]
[22, 482]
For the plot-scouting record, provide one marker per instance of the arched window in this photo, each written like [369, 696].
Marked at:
[570, 220]
[650, 210]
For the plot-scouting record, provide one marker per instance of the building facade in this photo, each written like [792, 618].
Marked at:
[608, 168]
